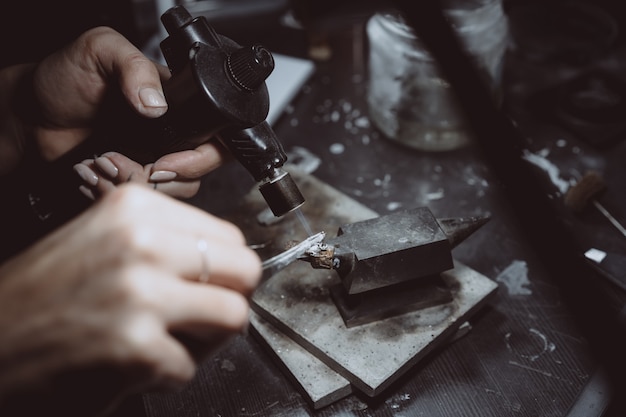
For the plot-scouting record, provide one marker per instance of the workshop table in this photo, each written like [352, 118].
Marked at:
[525, 355]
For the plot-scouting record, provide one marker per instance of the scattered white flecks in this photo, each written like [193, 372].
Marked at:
[228, 365]
[435, 195]
[384, 182]
[480, 184]
[515, 278]
[540, 160]
[561, 143]
[360, 180]
[289, 109]
[576, 150]
[365, 140]
[337, 148]
[293, 122]
[475, 180]
[395, 402]
[595, 255]
[393, 205]
[342, 111]
[462, 331]
[362, 122]
[438, 169]
[305, 160]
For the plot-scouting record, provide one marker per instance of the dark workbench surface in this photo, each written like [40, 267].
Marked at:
[525, 354]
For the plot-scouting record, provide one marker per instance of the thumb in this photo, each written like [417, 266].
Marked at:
[140, 83]
[139, 77]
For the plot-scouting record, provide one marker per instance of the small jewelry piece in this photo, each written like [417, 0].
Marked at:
[204, 255]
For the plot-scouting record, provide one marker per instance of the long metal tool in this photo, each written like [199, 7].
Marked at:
[283, 259]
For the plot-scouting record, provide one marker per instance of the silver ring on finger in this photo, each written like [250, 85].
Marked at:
[203, 249]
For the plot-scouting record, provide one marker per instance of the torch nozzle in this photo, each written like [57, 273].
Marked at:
[281, 193]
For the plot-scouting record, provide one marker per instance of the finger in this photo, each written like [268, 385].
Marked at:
[143, 208]
[216, 261]
[201, 318]
[113, 168]
[87, 172]
[167, 362]
[127, 169]
[175, 244]
[208, 310]
[89, 178]
[107, 168]
[231, 266]
[139, 77]
[195, 163]
[102, 175]
[94, 183]
[178, 189]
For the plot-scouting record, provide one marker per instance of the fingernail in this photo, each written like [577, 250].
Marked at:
[153, 99]
[86, 174]
[87, 192]
[107, 166]
[160, 176]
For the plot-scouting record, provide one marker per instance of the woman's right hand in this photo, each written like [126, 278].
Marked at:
[114, 298]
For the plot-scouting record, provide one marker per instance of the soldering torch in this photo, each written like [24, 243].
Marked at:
[219, 87]
[217, 90]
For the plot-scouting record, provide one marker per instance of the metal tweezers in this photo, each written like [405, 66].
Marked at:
[274, 264]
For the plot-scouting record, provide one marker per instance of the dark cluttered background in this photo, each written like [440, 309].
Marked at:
[564, 88]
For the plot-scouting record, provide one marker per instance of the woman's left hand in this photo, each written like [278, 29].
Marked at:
[177, 174]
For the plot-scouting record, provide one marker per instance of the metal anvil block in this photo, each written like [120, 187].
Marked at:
[390, 249]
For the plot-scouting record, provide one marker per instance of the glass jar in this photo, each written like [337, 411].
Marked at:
[408, 99]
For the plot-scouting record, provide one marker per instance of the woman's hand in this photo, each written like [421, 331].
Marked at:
[69, 87]
[177, 174]
[126, 297]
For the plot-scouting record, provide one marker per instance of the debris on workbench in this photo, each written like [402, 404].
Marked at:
[611, 265]
[549, 167]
